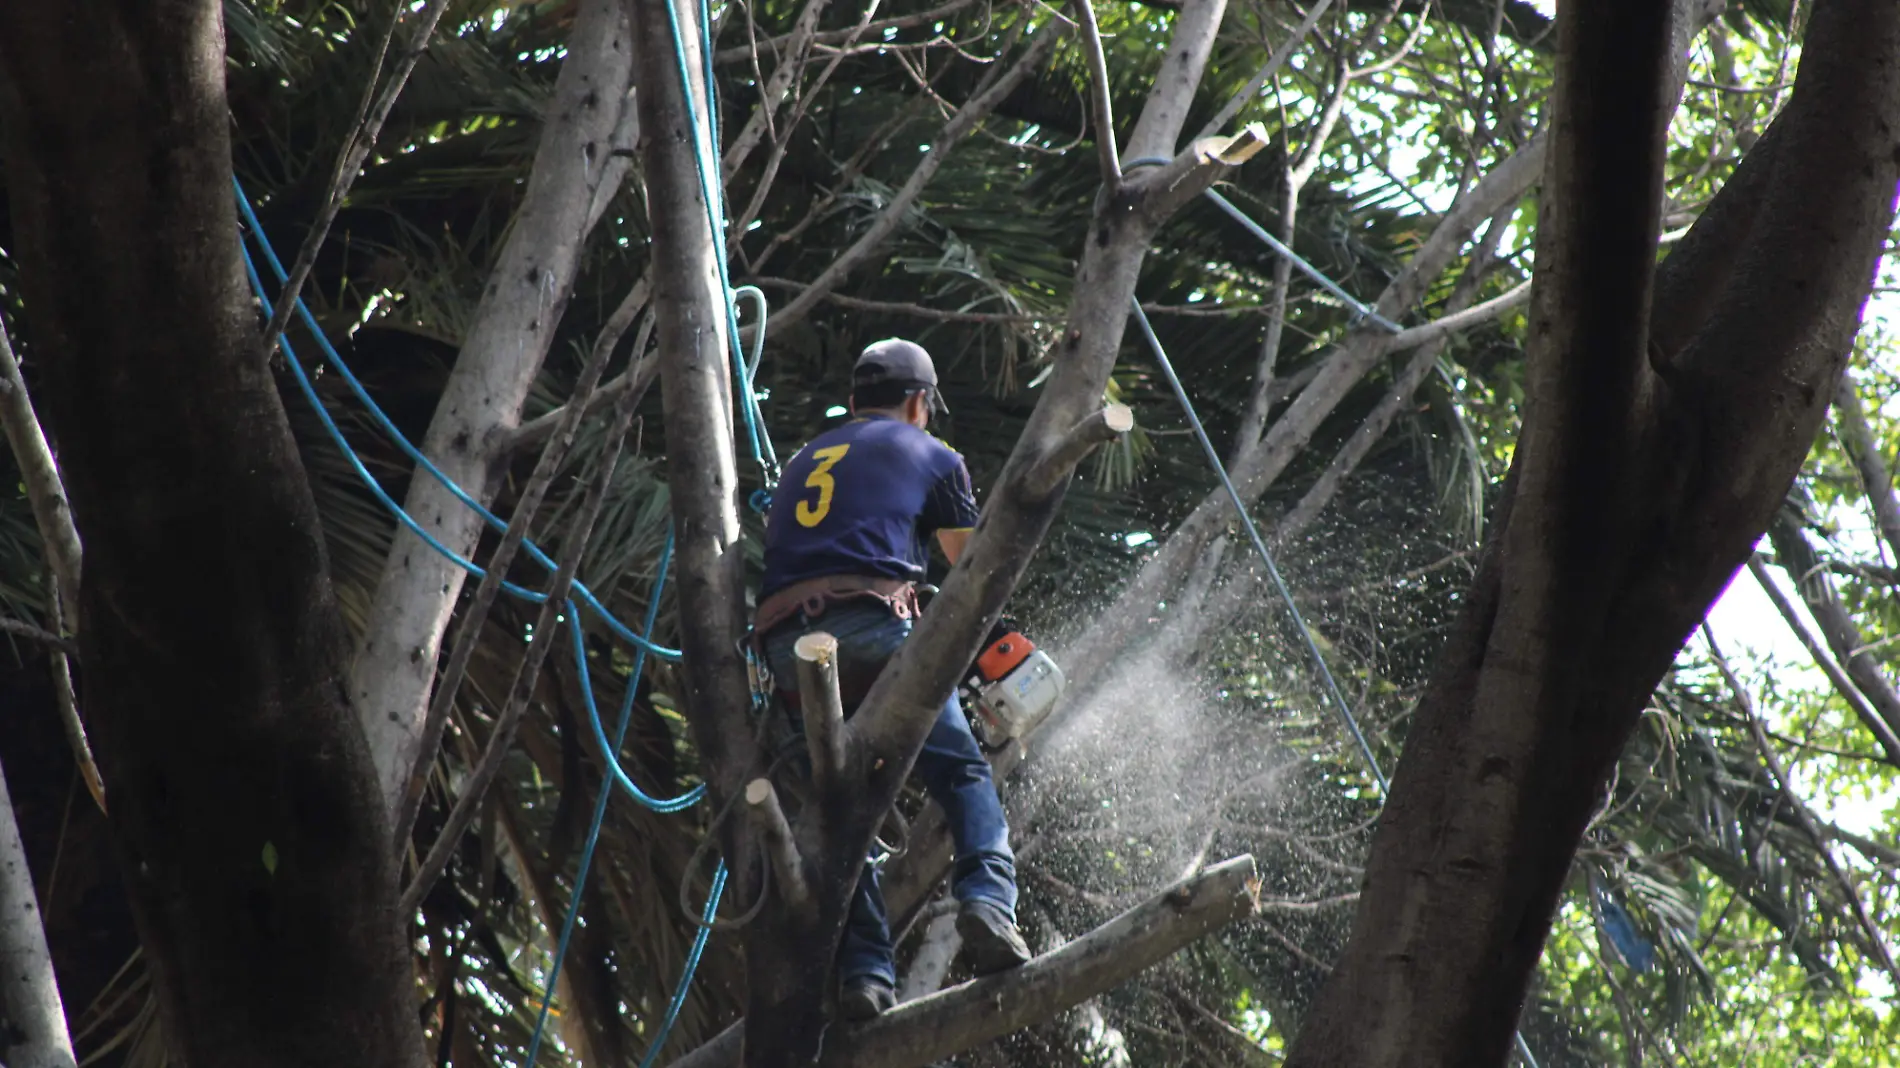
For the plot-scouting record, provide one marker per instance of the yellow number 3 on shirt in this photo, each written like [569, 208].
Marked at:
[810, 515]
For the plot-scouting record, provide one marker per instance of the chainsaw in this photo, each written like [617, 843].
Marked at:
[1011, 687]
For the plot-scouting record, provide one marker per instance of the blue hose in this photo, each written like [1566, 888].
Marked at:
[408, 448]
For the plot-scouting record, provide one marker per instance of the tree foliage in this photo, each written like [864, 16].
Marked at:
[1701, 924]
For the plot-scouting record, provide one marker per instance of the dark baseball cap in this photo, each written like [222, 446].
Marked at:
[900, 361]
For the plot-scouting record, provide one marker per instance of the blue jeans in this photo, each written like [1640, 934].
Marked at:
[953, 771]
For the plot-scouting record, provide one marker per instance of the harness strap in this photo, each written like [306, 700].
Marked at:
[814, 596]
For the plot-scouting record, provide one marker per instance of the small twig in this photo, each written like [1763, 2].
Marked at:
[743, 53]
[1843, 685]
[996, 85]
[638, 375]
[546, 467]
[370, 114]
[1315, 905]
[772, 92]
[1099, 94]
[546, 635]
[1266, 72]
[30, 632]
[68, 701]
[1800, 810]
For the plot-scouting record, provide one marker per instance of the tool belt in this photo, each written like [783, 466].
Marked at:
[813, 596]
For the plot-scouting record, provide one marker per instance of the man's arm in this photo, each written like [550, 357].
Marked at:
[952, 542]
[951, 509]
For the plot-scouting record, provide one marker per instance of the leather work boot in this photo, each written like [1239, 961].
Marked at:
[865, 997]
[990, 938]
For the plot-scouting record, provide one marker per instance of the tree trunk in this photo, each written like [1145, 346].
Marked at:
[521, 307]
[1648, 465]
[788, 954]
[245, 808]
[35, 1024]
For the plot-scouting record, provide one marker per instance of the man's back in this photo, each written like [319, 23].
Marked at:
[862, 499]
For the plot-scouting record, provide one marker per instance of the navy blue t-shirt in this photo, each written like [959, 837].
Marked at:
[863, 499]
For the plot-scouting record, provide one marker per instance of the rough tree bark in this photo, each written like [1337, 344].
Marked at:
[527, 290]
[1650, 461]
[246, 815]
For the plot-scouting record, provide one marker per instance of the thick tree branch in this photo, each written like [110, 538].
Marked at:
[1166, 189]
[827, 737]
[36, 1035]
[929, 1029]
[781, 849]
[39, 473]
[696, 380]
[1098, 429]
[1634, 495]
[59, 541]
[1432, 974]
[515, 322]
[1195, 30]
[243, 793]
[951, 1021]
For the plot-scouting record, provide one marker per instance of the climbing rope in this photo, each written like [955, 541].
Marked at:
[642, 641]
[712, 193]
[1260, 546]
[600, 812]
[745, 371]
[407, 447]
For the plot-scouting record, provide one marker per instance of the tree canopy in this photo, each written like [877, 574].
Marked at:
[1734, 899]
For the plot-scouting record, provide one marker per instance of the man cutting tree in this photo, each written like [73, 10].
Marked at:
[845, 546]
